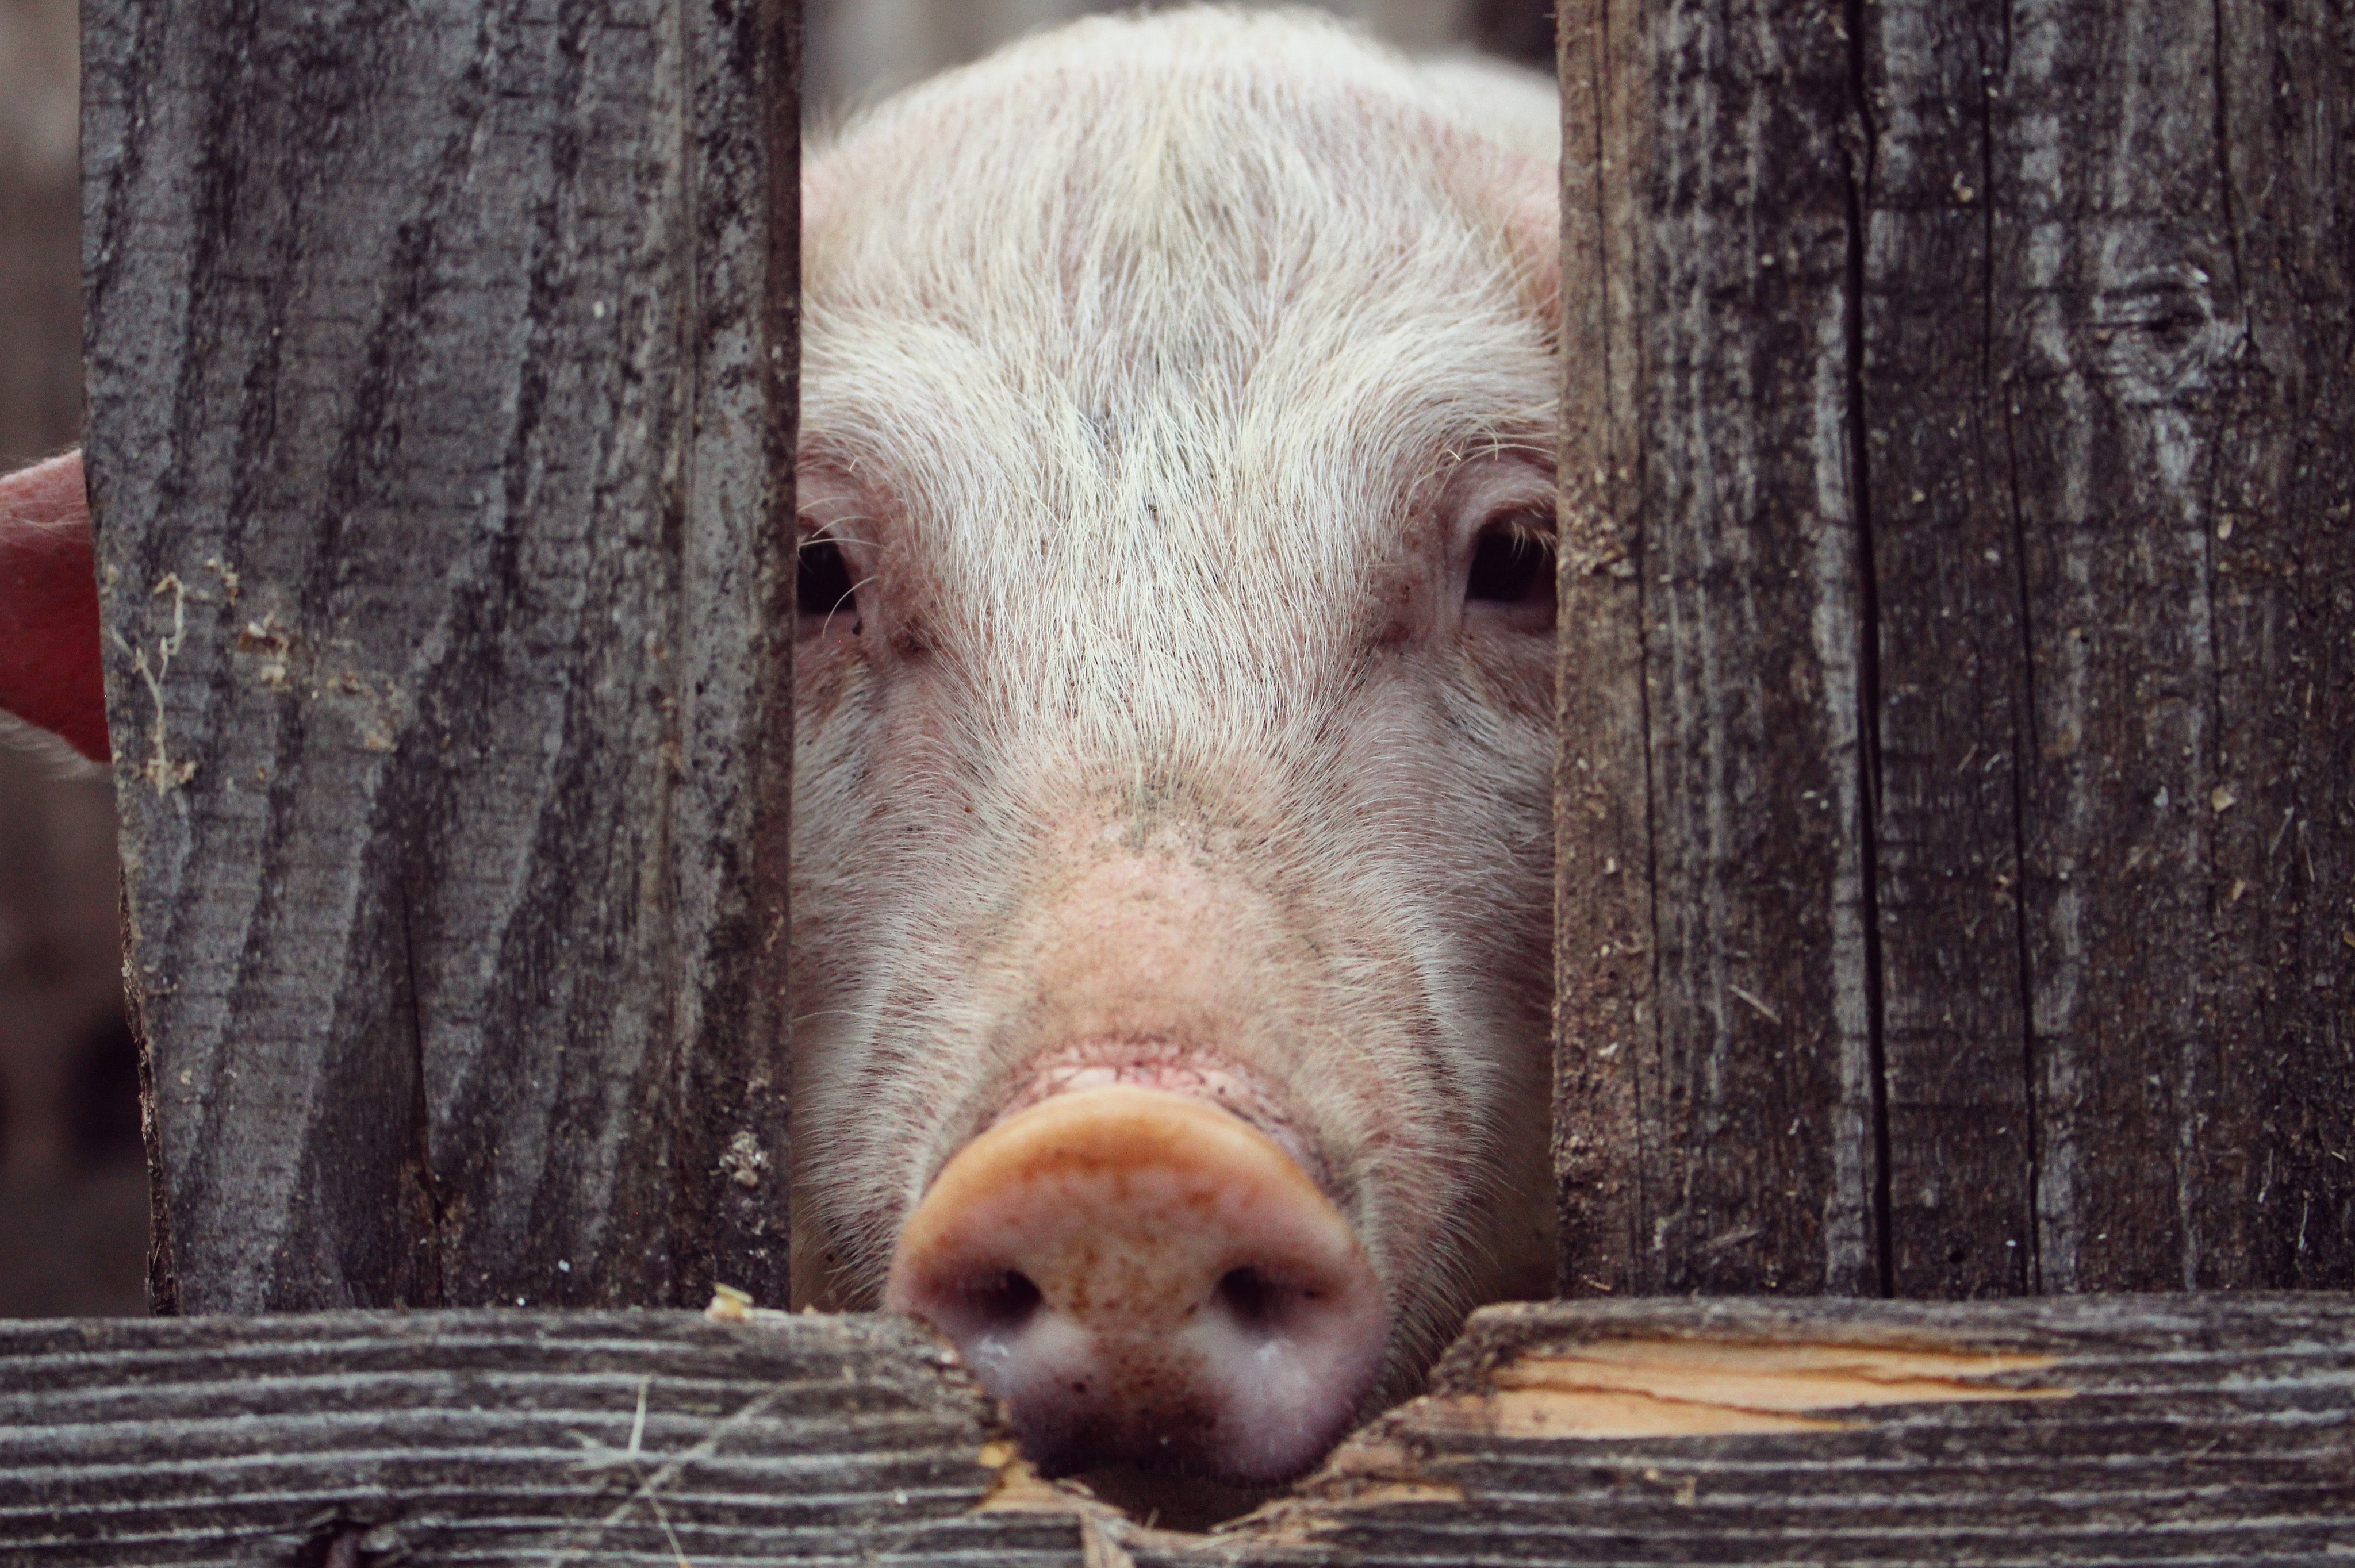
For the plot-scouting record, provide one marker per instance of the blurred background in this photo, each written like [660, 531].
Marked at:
[73, 1189]
[73, 1193]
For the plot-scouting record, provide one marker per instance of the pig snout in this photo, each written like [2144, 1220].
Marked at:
[1144, 1277]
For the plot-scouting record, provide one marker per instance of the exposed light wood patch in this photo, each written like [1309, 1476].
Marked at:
[1661, 1387]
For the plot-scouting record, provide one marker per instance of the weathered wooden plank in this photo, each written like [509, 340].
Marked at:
[2115, 598]
[2263, 1132]
[500, 1437]
[1713, 273]
[439, 376]
[1965, 386]
[1603, 1019]
[1954, 723]
[2120, 1430]
[2117, 1430]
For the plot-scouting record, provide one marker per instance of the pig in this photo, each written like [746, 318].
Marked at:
[1174, 688]
[1174, 695]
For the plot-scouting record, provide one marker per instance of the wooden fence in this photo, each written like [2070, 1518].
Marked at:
[2080, 1429]
[440, 388]
[1955, 845]
[1956, 826]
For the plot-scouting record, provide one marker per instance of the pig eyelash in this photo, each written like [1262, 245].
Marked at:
[824, 577]
[850, 596]
[1512, 563]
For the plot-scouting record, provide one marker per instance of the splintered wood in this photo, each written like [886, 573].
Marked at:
[1649, 1387]
[2126, 1429]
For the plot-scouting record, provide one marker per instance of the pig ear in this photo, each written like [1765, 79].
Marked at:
[1508, 168]
[48, 606]
[1533, 235]
[1516, 198]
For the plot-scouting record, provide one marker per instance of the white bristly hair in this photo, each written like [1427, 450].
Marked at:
[1157, 372]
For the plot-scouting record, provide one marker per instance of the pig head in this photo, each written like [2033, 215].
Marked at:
[1175, 701]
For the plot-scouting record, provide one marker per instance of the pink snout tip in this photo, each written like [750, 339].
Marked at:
[1144, 1278]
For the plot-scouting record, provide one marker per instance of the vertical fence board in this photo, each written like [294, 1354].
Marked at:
[2173, 188]
[1954, 725]
[2274, 1124]
[1603, 886]
[2103, 376]
[735, 691]
[2113, 254]
[440, 370]
[2093, 724]
[1722, 183]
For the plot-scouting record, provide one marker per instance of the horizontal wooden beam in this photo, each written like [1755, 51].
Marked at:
[2075, 1429]
[2111, 1429]
[486, 1437]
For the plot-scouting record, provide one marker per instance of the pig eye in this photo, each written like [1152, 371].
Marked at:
[824, 590]
[1512, 566]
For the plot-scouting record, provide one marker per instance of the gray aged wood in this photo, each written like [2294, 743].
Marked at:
[1605, 1027]
[2162, 1430]
[1715, 959]
[498, 1437]
[2110, 412]
[1956, 505]
[440, 376]
[2118, 1430]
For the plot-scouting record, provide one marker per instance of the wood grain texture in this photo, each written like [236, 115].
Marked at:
[2164, 1430]
[2213, 709]
[440, 404]
[1605, 1029]
[2116, 1430]
[1964, 383]
[498, 1437]
[1712, 156]
[2114, 604]
[1954, 673]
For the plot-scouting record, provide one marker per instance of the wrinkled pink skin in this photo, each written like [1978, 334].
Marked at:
[1158, 726]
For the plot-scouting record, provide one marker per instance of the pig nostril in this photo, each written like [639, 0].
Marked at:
[1146, 1279]
[1254, 1299]
[1004, 1301]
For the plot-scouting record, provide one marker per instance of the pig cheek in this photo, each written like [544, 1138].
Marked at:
[877, 816]
[1513, 673]
[1428, 771]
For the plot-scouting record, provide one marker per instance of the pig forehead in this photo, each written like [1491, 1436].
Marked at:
[1242, 294]
[1196, 129]
[1347, 437]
